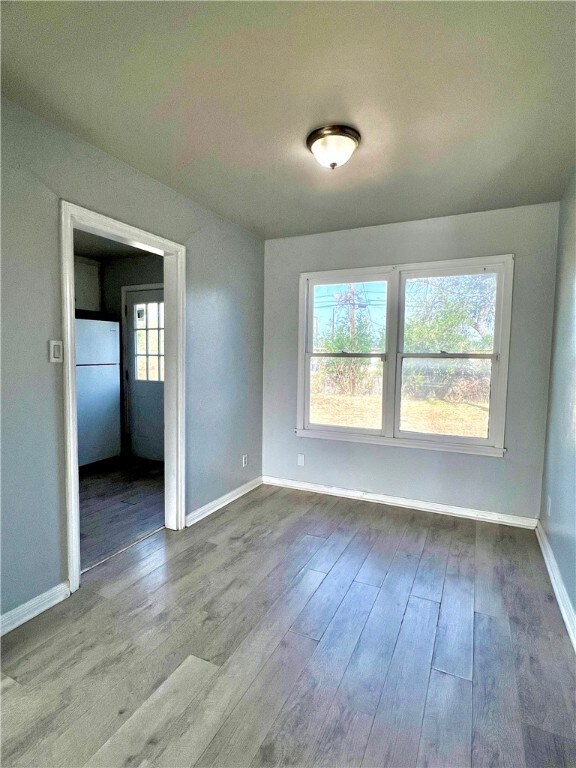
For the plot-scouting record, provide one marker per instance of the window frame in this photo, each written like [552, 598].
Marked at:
[369, 275]
[395, 276]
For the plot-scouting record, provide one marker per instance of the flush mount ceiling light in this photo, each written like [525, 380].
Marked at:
[333, 145]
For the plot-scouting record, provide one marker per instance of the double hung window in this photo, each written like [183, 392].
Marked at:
[412, 355]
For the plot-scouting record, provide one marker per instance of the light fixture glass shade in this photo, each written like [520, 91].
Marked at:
[333, 146]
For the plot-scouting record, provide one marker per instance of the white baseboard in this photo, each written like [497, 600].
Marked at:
[39, 604]
[566, 608]
[213, 506]
[399, 501]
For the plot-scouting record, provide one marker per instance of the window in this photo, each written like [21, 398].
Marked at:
[149, 341]
[413, 355]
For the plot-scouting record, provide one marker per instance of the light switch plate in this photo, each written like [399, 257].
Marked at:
[56, 354]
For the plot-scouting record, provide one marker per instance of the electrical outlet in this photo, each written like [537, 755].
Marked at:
[548, 506]
[300, 460]
[245, 460]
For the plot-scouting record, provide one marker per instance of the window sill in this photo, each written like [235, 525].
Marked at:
[428, 445]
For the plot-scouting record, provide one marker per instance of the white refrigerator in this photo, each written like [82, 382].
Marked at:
[98, 390]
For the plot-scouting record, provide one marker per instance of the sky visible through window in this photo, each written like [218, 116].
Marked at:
[347, 310]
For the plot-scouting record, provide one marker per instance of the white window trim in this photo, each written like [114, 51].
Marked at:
[390, 434]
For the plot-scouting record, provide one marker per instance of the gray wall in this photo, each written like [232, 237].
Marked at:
[560, 465]
[40, 165]
[86, 284]
[130, 270]
[510, 485]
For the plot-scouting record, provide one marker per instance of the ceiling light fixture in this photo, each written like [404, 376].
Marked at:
[333, 145]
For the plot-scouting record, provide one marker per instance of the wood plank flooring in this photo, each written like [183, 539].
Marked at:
[121, 502]
[291, 628]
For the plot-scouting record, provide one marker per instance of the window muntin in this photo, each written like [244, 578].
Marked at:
[436, 375]
[149, 341]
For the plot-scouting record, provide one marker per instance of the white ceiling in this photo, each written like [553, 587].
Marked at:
[462, 106]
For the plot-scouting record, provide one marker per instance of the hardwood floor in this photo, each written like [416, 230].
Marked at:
[297, 629]
[121, 502]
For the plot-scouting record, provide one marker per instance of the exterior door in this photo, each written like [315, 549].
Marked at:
[144, 372]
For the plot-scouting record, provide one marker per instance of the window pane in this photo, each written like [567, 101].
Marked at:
[445, 397]
[140, 342]
[161, 344]
[141, 369]
[153, 369]
[153, 315]
[345, 392]
[162, 368]
[350, 317]
[140, 315]
[450, 314]
[161, 315]
[152, 342]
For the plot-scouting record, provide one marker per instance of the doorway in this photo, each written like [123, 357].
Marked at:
[119, 395]
[163, 359]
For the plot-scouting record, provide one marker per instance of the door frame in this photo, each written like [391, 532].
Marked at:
[125, 363]
[75, 217]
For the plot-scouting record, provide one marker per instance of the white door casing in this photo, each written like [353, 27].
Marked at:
[75, 217]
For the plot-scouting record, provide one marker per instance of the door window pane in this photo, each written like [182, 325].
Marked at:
[445, 397]
[141, 368]
[162, 368]
[346, 392]
[140, 316]
[152, 321]
[350, 317]
[152, 342]
[153, 368]
[451, 313]
[161, 342]
[161, 315]
[140, 342]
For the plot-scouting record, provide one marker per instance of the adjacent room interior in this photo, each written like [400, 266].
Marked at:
[119, 308]
[288, 380]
